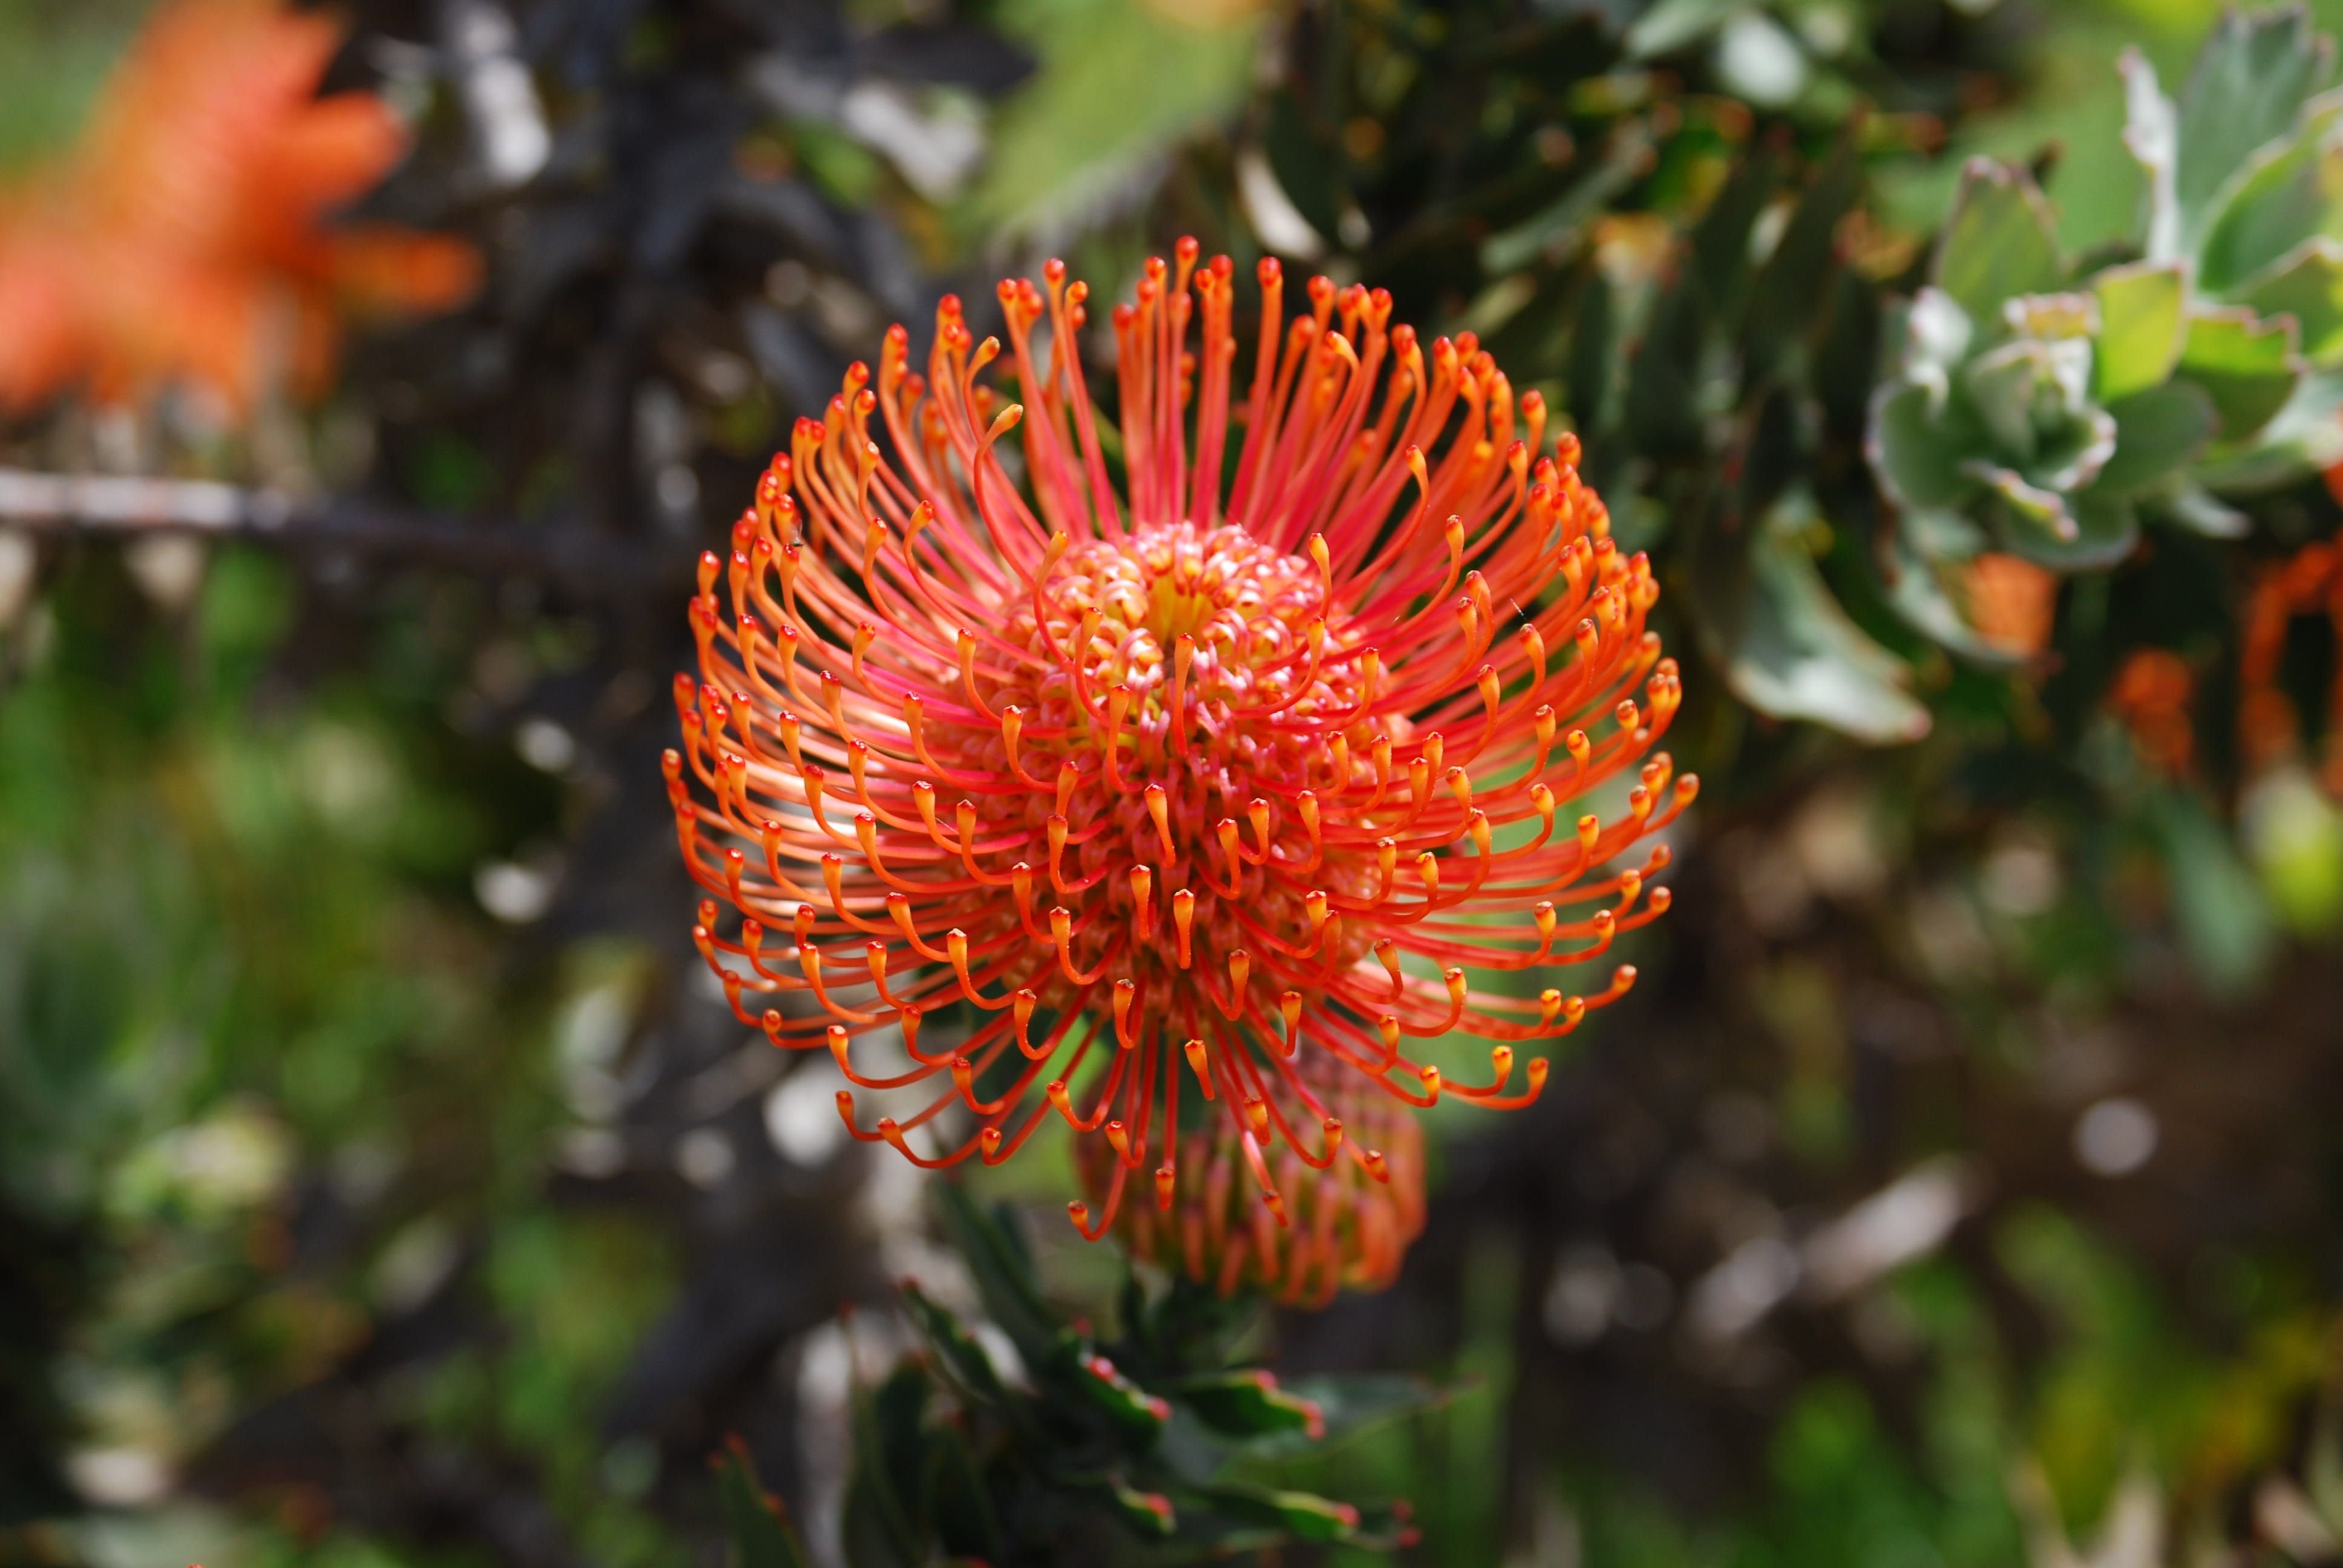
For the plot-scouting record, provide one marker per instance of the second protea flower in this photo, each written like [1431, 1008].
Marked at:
[1180, 771]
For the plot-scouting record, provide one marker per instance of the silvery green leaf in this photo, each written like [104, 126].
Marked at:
[2200, 512]
[1915, 458]
[2074, 452]
[1786, 647]
[2141, 317]
[1670, 24]
[2105, 531]
[1939, 331]
[2307, 285]
[2152, 134]
[1999, 241]
[2006, 388]
[2248, 365]
[2247, 88]
[2158, 432]
[2033, 517]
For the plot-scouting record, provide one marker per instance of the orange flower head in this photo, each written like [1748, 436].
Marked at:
[1339, 1223]
[2308, 582]
[2012, 603]
[2151, 696]
[1190, 773]
[186, 239]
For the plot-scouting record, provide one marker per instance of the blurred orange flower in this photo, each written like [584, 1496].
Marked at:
[2151, 696]
[2308, 582]
[184, 239]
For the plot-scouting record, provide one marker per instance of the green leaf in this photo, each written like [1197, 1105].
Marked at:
[1788, 291]
[2097, 532]
[2141, 311]
[961, 1356]
[1785, 646]
[760, 1536]
[1554, 230]
[1589, 369]
[2225, 923]
[2305, 438]
[2157, 432]
[2246, 365]
[1663, 397]
[1303, 1514]
[2307, 285]
[957, 1501]
[1137, 1412]
[1118, 85]
[1003, 1275]
[1999, 241]
[2030, 519]
[1720, 241]
[1147, 1514]
[2249, 85]
[1247, 1404]
[1914, 457]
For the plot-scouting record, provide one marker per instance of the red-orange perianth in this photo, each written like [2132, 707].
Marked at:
[1176, 795]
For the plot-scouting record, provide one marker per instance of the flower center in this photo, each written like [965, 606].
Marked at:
[1176, 699]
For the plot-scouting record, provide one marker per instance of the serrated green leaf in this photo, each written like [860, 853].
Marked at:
[759, 1534]
[2157, 433]
[1555, 230]
[2096, 532]
[2142, 313]
[2307, 285]
[2294, 195]
[1786, 647]
[2249, 85]
[2305, 438]
[2000, 242]
[2246, 365]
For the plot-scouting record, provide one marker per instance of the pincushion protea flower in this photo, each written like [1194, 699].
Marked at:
[1193, 793]
[185, 239]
